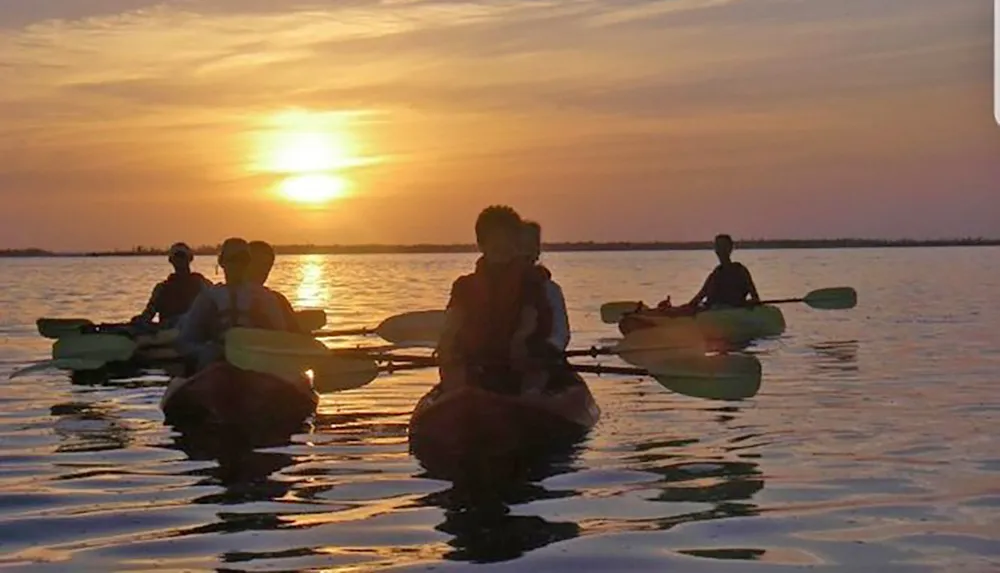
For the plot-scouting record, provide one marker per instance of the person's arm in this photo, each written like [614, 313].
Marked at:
[195, 329]
[291, 320]
[753, 288]
[560, 336]
[703, 292]
[149, 313]
[446, 347]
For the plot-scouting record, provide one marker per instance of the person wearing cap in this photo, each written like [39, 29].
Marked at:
[729, 284]
[261, 263]
[172, 298]
[239, 301]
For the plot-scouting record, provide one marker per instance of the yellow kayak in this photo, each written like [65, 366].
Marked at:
[730, 325]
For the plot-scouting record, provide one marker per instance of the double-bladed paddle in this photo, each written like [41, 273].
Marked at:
[55, 328]
[84, 353]
[418, 328]
[713, 377]
[833, 298]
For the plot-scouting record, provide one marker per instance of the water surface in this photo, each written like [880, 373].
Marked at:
[872, 445]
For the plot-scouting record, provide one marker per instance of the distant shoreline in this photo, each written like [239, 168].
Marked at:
[586, 246]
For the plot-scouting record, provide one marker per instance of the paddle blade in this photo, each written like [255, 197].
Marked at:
[284, 354]
[422, 327]
[612, 312]
[650, 346]
[311, 319]
[713, 377]
[59, 327]
[75, 364]
[339, 373]
[98, 347]
[834, 298]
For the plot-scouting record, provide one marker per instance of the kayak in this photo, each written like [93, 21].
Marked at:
[227, 396]
[732, 325]
[449, 427]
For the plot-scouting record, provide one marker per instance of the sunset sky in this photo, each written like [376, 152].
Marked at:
[126, 122]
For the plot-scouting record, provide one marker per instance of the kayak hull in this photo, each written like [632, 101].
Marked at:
[451, 429]
[732, 325]
[223, 395]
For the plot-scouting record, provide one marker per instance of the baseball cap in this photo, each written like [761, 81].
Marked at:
[180, 249]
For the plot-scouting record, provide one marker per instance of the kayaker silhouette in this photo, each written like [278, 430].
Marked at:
[173, 297]
[729, 284]
[560, 335]
[239, 301]
[504, 387]
[261, 262]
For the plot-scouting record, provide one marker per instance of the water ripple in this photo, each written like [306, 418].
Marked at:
[871, 445]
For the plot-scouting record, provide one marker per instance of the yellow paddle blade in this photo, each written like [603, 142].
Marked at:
[59, 327]
[339, 373]
[98, 347]
[288, 355]
[284, 354]
[653, 345]
[417, 328]
[311, 319]
[612, 312]
[833, 298]
[75, 364]
[714, 377]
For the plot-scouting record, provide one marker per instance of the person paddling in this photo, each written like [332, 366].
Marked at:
[560, 336]
[498, 321]
[172, 298]
[729, 284]
[239, 301]
[261, 262]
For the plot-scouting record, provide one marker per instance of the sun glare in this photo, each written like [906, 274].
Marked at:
[313, 188]
[312, 149]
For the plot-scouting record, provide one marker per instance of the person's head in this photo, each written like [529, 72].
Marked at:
[723, 247]
[531, 237]
[234, 258]
[180, 256]
[261, 261]
[499, 232]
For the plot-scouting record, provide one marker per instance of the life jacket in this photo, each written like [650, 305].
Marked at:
[729, 285]
[247, 305]
[177, 293]
[492, 300]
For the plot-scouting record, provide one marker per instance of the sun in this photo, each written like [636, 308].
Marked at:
[313, 188]
[311, 150]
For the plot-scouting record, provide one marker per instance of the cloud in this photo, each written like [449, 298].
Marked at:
[539, 92]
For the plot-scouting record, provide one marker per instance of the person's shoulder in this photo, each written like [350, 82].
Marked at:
[462, 286]
[463, 281]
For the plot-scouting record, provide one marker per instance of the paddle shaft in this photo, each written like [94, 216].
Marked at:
[345, 332]
[417, 362]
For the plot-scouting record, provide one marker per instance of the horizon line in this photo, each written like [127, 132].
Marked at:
[556, 246]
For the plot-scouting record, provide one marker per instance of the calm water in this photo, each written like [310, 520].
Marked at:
[872, 445]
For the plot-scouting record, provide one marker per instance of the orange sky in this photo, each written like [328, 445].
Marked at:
[127, 122]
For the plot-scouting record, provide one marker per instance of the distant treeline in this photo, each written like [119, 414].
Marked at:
[588, 246]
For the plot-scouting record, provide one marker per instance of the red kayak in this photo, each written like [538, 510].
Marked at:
[450, 427]
[224, 395]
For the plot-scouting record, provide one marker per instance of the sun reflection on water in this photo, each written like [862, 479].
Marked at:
[312, 291]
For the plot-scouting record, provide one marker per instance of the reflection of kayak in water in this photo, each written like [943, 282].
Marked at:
[223, 395]
[451, 427]
[731, 325]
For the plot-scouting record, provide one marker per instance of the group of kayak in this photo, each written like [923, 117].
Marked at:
[504, 378]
